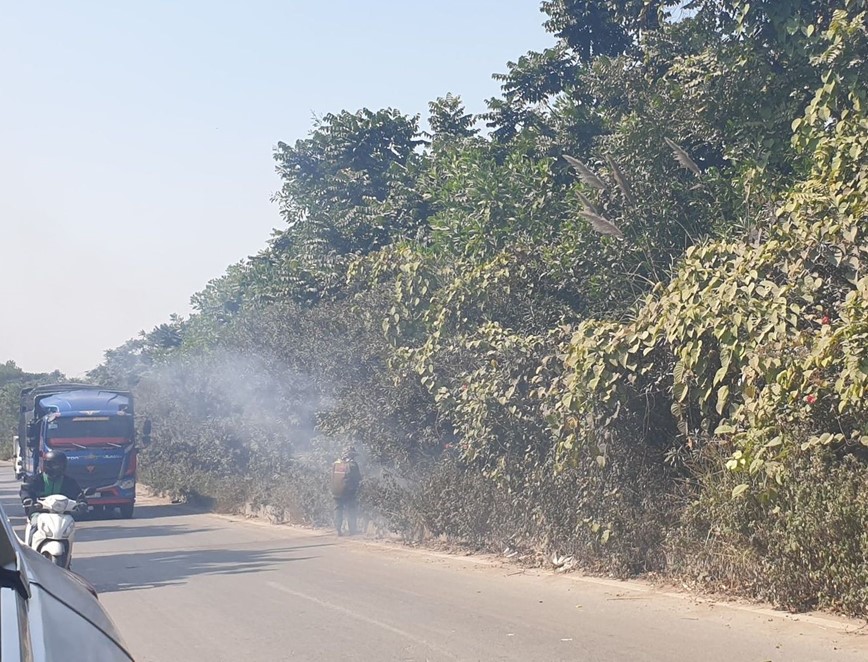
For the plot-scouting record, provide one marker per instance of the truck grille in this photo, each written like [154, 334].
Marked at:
[96, 473]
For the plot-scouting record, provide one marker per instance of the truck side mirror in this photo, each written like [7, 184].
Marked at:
[146, 432]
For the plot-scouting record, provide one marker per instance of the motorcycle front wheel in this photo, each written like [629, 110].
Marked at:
[60, 561]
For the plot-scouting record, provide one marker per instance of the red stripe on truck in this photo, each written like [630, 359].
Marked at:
[72, 442]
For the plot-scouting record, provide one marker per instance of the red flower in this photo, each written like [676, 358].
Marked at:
[810, 398]
[826, 320]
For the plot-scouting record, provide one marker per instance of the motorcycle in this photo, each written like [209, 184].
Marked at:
[52, 531]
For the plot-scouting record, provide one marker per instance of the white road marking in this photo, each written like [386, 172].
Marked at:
[360, 617]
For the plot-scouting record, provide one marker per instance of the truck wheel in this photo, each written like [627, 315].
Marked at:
[127, 510]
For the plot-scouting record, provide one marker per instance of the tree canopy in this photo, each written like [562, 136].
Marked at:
[635, 284]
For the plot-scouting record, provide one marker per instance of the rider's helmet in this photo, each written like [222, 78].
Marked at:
[54, 464]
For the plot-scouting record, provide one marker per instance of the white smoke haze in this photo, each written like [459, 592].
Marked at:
[265, 405]
[254, 427]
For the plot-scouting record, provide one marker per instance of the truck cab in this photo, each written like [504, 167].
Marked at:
[95, 428]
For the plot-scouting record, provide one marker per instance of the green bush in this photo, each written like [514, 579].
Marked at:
[806, 548]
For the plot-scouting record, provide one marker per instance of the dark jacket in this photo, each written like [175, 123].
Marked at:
[34, 487]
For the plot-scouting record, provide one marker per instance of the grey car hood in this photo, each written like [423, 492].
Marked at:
[66, 621]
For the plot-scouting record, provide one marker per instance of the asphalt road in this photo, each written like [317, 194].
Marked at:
[188, 586]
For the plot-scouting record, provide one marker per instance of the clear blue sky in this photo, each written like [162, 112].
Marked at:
[136, 139]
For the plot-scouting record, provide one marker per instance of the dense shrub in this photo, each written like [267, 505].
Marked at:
[805, 549]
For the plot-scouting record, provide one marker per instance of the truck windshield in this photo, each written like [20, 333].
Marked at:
[109, 427]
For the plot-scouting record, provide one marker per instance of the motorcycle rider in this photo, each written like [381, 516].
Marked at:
[52, 480]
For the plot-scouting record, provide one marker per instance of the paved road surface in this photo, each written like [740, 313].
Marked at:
[187, 586]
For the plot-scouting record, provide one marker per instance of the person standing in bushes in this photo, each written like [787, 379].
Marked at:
[346, 481]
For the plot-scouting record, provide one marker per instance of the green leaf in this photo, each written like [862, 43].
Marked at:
[722, 398]
[678, 373]
[738, 490]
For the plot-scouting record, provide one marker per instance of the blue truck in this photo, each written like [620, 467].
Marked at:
[95, 427]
